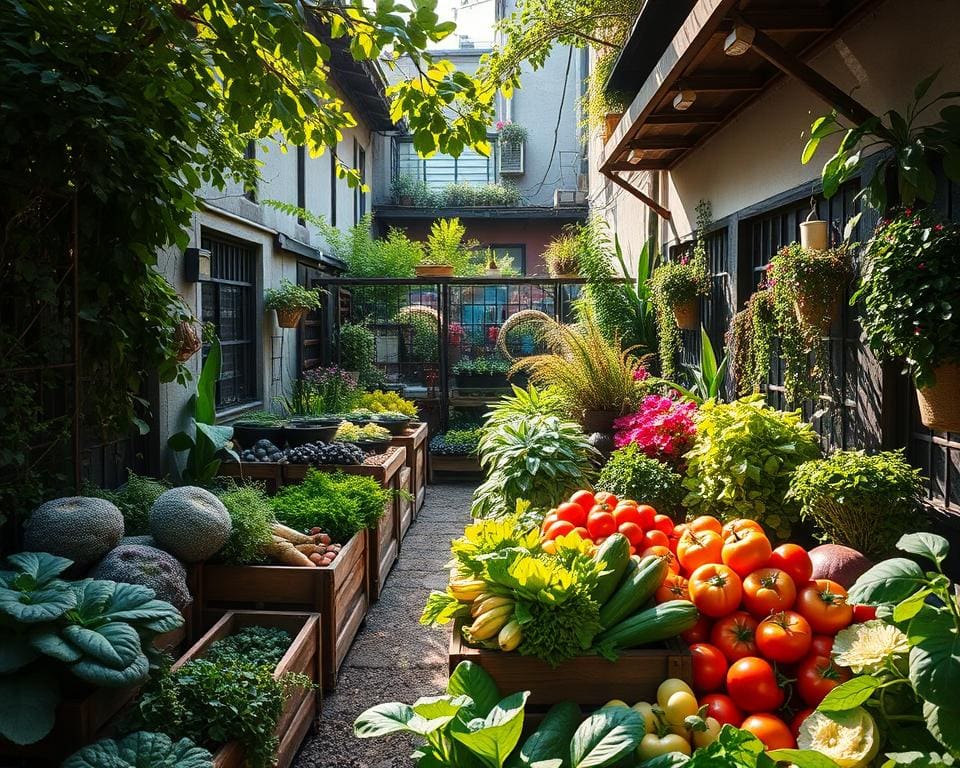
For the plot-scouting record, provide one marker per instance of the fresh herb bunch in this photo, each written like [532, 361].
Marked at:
[290, 296]
[743, 460]
[341, 505]
[864, 502]
[213, 702]
[806, 283]
[251, 517]
[263, 646]
[483, 366]
[911, 294]
[379, 401]
[663, 429]
[456, 442]
[631, 474]
[539, 459]
[133, 499]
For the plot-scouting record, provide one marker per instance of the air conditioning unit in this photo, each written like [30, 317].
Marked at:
[565, 198]
[511, 159]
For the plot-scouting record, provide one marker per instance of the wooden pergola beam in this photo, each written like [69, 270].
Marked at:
[662, 142]
[625, 166]
[662, 212]
[685, 118]
[720, 83]
[786, 20]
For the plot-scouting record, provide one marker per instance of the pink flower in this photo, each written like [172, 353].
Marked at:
[938, 227]
[685, 260]
[922, 265]
[641, 374]
[500, 125]
[663, 428]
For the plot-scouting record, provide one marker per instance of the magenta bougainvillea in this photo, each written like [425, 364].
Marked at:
[663, 428]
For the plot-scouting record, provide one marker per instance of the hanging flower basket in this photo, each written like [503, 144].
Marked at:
[187, 339]
[687, 315]
[289, 318]
[816, 312]
[940, 404]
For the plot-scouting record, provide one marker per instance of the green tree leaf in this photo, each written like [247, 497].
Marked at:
[495, 736]
[850, 694]
[928, 545]
[384, 719]
[605, 737]
[469, 679]
[935, 664]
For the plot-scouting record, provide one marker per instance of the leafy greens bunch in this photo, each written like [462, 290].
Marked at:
[99, 631]
[141, 750]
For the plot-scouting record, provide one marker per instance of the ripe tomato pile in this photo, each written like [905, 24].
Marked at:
[761, 650]
[597, 516]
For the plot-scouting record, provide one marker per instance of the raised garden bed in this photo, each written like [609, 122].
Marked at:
[304, 656]
[414, 441]
[268, 473]
[339, 593]
[590, 681]
[405, 502]
[446, 463]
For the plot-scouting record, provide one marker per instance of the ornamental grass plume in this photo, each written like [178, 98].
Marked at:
[663, 428]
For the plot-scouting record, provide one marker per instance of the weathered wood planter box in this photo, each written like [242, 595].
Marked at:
[339, 593]
[414, 441]
[268, 473]
[304, 656]
[440, 462]
[590, 681]
[405, 502]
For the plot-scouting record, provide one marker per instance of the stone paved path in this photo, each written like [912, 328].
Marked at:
[393, 657]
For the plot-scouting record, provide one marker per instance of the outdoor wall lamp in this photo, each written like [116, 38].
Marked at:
[196, 264]
[684, 100]
[739, 41]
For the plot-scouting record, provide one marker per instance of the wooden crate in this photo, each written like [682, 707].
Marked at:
[382, 473]
[302, 709]
[406, 502]
[339, 593]
[590, 681]
[414, 440]
[459, 464]
[267, 473]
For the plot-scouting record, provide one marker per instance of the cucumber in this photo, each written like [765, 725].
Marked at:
[613, 554]
[636, 589]
[551, 741]
[662, 621]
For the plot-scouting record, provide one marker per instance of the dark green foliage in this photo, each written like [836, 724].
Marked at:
[141, 750]
[357, 347]
[251, 516]
[133, 499]
[256, 645]
[492, 365]
[340, 504]
[456, 442]
[631, 474]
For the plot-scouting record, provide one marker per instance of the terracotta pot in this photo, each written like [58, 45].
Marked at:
[817, 312]
[434, 270]
[289, 318]
[940, 404]
[687, 315]
[610, 123]
[814, 235]
[598, 421]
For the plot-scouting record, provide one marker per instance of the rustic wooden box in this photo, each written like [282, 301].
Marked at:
[304, 656]
[405, 502]
[338, 592]
[414, 440]
[590, 681]
[382, 473]
[267, 473]
[460, 464]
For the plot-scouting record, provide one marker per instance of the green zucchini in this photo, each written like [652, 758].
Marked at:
[662, 621]
[551, 741]
[636, 589]
[613, 554]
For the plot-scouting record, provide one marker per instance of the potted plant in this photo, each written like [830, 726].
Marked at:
[402, 188]
[258, 425]
[911, 308]
[562, 256]
[509, 132]
[290, 301]
[485, 372]
[432, 265]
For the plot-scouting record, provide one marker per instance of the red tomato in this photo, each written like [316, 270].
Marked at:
[767, 591]
[699, 632]
[715, 590]
[628, 503]
[741, 525]
[603, 497]
[697, 548]
[817, 676]
[632, 531]
[661, 551]
[798, 719]
[794, 561]
[550, 517]
[706, 523]
[655, 538]
[585, 499]
[735, 635]
[559, 528]
[572, 513]
[626, 514]
[824, 604]
[662, 523]
[821, 645]
[863, 613]
[709, 668]
[746, 551]
[723, 708]
[752, 684]
[674, 587]
[784, 637]
[584, 533]
[647, 516]
[771, 730]
[600, 523]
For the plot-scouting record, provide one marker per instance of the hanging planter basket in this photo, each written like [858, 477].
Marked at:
[289, 318]
[434, 270]
[187, 339]
[940, 404]
[687, 315]
[814, 235]
[817, 312]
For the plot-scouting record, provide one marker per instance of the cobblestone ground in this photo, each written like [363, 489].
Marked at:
[393, 657]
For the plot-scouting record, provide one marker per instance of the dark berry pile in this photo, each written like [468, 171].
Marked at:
[262, 450]
[325, 453]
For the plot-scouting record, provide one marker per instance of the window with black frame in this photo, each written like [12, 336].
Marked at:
[229, 304]
[515, 255]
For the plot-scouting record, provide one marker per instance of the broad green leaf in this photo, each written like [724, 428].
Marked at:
[469, 679]
[115, 644]
[495, 736]
[48, 642]
[437, 708]
[802, 758]
[935, 666]
[890, 581]
[218, 435]
[104, 676]
[809, 150]
[205, 407]
[944, 725]
[928, 545]
[28, 702]
[917, 759]
[41, 566]
[606, 737]
[850, 694]
[924, 85]
[441, 608]
[551, 741]
[906, 610]
[669, 760]
[851, 226]
[384, 719]
[180, 441]
[32, 607]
